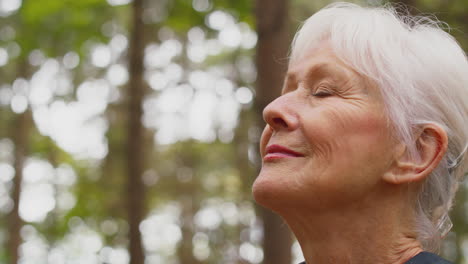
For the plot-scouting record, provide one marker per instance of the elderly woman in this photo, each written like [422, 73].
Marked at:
[364, 150]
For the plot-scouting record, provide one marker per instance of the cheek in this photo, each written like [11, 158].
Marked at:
[349, 156]
[345, 142]
[362, 142]
[338, 128]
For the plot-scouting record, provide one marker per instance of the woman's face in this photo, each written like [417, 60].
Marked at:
[327, 142]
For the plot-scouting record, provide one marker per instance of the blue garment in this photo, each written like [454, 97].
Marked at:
[423, 258]
[427, 258]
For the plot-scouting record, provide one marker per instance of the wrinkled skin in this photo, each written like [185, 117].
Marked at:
[336, 120]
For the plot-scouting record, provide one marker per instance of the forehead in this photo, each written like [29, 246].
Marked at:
[321, 62]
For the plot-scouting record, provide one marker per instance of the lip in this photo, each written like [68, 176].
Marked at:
[275, 151]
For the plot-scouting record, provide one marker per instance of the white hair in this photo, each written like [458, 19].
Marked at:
[422, 74]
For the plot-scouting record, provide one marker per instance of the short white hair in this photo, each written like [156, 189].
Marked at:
[422, 73]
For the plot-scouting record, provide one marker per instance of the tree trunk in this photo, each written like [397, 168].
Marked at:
[272, 49]
[20, 139]
[185, 250]
[135, 136]
[271, 60]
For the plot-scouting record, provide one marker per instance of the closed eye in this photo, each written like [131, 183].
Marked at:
[323, 89]
[320, 92]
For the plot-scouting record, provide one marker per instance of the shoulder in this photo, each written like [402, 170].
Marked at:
[427, 258]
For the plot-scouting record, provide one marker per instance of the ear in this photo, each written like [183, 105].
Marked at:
[431, 144]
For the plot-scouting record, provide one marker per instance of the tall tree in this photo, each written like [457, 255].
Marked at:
[272, 47]
[135, 135]
[20, 131]
[20, 139]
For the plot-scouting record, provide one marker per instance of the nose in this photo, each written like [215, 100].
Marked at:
[281, 113]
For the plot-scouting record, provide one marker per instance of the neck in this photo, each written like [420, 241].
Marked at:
[359, 234]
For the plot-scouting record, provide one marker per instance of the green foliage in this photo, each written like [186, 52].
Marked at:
[44, 23]
[182, 17]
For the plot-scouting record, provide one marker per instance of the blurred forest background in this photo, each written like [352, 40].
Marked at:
[129, 129]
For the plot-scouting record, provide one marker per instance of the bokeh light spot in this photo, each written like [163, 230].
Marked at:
[7, 7]
[201, 5]
[71, 60]
[217, 20]
[7, 172]
[19, 103]
[101, 56]
[117, 74]
[36, 202]
[3, 57]
[244, 95]
[118, 2]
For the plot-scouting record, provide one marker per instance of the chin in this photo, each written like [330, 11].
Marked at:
[271, 193]
[260, 191]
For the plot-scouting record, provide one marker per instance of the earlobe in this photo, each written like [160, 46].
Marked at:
[431, 145]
